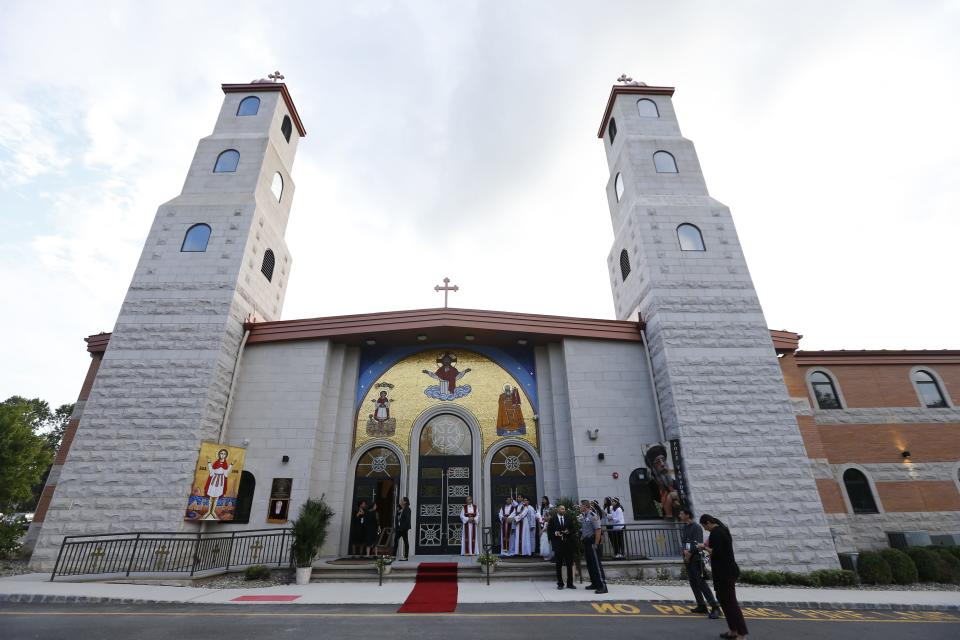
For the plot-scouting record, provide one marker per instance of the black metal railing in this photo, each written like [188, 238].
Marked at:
[171, 553]
[642, 542]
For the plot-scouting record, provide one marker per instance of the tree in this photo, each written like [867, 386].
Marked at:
[43, 422]
[25, 456]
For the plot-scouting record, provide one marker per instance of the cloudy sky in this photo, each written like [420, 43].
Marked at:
[459, 138]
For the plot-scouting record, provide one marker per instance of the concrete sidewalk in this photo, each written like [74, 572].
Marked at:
[36, 587]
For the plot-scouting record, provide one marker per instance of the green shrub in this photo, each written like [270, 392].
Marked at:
[11, 534]
[310, 531]
[751, 576]
[873, 568]
[801, 579]
[902, 569]
[950, 571]
[954, 549]
[835, 577]
[257, 572]
[930, 565]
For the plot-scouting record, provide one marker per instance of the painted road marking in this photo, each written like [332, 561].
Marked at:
[621, 610]
[268, 598]
[764, 613]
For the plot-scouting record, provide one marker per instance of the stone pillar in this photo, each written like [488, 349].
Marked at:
[719, 385]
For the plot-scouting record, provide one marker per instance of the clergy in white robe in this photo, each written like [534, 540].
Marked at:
[525, 519]
[506, 525]
[470, 517]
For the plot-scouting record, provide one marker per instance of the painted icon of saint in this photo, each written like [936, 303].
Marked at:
[216, 485]
[510, 413]
[447, 376]
[381, 412]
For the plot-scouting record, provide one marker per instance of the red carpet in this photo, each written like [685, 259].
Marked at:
[435, 590]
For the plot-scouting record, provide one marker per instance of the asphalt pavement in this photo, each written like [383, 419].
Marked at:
[22, 621]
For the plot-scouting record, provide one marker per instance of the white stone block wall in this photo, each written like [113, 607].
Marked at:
[720, 388]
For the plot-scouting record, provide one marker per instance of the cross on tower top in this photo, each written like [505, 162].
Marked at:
[276, 76]
[446, 290]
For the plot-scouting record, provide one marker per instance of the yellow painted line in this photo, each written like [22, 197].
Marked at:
[287, 614]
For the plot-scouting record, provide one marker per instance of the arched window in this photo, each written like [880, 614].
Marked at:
[376, 480]
[664, 162]
[248, 483]
[196, 238]
[277, 186]
[612, 128]
[858, 490]
[286, 127]
[824, 391]
[647, 108]
[618, 186]
[929, 390]
[249, 106]
[624, 264]
[446, 435]
[690, 238]
[227, 161]
[268, 263]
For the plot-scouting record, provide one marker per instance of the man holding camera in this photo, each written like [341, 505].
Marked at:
[691, 534]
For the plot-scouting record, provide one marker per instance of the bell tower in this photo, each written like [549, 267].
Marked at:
[677, 261]
[215, 255]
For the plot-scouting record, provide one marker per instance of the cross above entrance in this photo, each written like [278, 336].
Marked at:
[446, 290]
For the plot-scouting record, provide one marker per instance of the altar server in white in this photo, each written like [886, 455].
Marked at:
[470, 517]
[525, 519]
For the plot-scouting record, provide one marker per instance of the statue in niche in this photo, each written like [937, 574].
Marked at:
[509, 413]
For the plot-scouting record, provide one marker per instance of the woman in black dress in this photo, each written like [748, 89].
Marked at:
[371, 530]
[358, 531]
[725, 574]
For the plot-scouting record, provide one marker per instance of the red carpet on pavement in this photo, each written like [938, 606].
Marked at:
[435, 590]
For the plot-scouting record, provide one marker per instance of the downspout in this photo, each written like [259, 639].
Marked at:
[653, 385]
[233, 383]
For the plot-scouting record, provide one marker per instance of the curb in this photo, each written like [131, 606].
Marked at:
[847, 606]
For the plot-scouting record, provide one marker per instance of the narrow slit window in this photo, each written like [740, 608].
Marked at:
[286, 128]
[277, 186]
[858, 490]
[618, 187]
[624, 264]
[612, 128]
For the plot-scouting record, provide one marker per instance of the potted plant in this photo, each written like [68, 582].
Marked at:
[309, 533]
[486, 560]
[383, 564]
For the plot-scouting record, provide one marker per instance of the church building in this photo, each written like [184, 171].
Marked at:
[202, 410]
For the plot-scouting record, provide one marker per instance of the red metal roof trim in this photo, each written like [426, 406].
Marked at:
[785, 340]
[626, 89]
[422, 319]
[97, 343]
[270, 86]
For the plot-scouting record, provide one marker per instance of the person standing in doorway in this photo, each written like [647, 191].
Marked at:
[590, 532]
[358, 530]
[725, 574]
[561, 537]
[371, 529]
[402, 529]
[506, 525]
[691, 535]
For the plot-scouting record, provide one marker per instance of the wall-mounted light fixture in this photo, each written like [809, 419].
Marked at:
[906, 454]
[422, 338]
[285, 458]
[593, 434]
[600, 456]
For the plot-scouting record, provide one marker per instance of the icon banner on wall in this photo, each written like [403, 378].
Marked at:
[664, 462]
[278, 511]
[216, 480]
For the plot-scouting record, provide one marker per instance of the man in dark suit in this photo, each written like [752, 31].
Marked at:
[401, 529]
[562, 538]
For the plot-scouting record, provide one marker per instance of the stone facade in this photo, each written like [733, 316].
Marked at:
[719, 385]
[163, 383]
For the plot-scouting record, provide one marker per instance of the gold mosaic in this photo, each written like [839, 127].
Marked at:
[445, 376]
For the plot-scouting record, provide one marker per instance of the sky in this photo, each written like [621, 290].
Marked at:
[458, 139]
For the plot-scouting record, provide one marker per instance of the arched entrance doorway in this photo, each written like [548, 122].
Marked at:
[512, 473]
[376, 480]
[444, 480]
